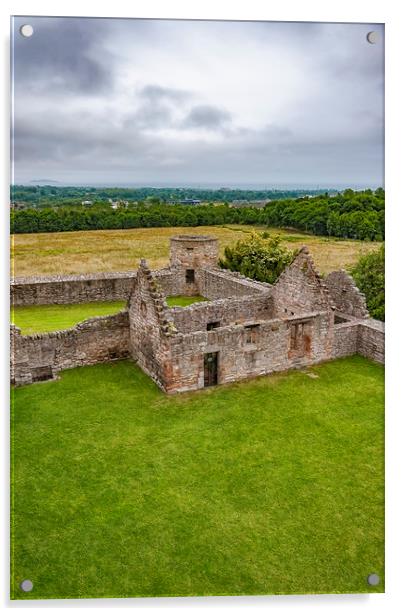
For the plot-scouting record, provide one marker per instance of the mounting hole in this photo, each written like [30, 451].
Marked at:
[26, 30]
[26, 585]
[372, 37]
[373, 579]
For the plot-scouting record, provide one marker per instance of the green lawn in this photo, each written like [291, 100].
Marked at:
[184, 300]
[35, 319]
[274, 485]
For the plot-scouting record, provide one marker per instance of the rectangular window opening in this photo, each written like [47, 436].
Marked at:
[300, 338]
[212, 325]
[41, 373]
[251, 333]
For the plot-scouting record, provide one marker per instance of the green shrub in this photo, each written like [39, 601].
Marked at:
[368, 274]
[259, 257]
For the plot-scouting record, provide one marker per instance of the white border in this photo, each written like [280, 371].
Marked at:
[285, 10]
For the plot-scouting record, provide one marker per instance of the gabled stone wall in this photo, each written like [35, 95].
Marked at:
[345, 295]
[300, 289]
[150, 326]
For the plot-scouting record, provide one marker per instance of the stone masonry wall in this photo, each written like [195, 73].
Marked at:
[239, 358]
[79, 289]
[345, 295]
[300, 289]
[345, 339]
[371, 340]
[219, 284]
[149, 326]
[249, 309]
[193, 251]
[365, 337]
[93, 341]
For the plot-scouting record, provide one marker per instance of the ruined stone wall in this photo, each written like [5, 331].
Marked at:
[371, 340]
[149, 325]
[41, 356]
[78, 289]
[196, 317]
[345, 295]
[240, 357]
[365, 337]
[219, 284]
[300, 289]
[345, 339]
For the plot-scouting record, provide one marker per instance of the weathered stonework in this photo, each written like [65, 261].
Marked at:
[245, 329]
[345, 295]
[41, 356]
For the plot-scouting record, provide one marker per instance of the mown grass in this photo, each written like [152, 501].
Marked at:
[81, 252]
[184, 300]
[36, 319]
[269, 486]
[48, 318]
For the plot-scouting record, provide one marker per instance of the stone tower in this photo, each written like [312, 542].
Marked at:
[188, 255]
[194, 251]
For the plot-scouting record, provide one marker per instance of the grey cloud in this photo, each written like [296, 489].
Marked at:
[206, 116]
[61, 55]
[155, 92]
[77, 119]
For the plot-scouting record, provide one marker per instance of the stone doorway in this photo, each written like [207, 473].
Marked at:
[210, 369]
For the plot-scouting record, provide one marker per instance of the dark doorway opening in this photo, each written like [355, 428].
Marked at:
[210, 369]
[189, 276]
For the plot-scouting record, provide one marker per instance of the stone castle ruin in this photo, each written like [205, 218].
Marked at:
[243, 330]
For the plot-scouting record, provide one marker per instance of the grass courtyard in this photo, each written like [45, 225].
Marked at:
[52, 317]
[274, 485]
[47, 318]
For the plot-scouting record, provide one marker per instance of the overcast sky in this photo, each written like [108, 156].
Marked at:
[100, 101]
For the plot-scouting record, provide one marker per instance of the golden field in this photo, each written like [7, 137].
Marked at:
[80, 252]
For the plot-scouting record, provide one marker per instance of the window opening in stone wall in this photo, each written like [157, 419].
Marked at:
[296, 336]
[300, 338]
[41, 373]
[212, 325]
[189, 248]
[251, 333]
[189, 276]
[338, 319]
[143, 308]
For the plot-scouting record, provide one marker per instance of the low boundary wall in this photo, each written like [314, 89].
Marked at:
[40, 357]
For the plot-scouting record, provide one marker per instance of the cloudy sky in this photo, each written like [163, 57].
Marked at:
[153, 102]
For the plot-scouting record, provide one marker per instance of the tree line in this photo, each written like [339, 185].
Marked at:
[356, 215]
[351, 214]
[49, 196]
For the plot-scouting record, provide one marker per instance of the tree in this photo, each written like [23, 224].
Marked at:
[259, 257]
[368, 274]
